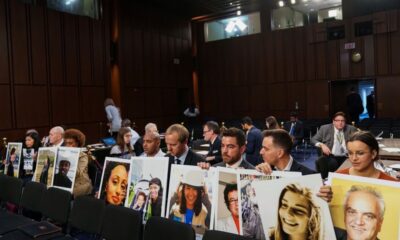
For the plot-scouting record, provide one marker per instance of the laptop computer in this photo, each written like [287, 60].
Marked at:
[108, 141]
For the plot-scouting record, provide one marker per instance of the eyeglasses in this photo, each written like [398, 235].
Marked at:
[204, 132]
[337, 120]
[233, 201]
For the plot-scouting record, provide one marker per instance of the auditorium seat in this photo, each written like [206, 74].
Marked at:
[162, 228]
[218, 235]
[121, 223]
[56, 205]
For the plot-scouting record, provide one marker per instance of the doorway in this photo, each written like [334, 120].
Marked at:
[340, 89]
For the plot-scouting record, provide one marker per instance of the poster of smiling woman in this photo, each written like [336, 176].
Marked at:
[190, 196]
[148, 186]
[249, 216]
[290, 209]
[364, 208]
[115, 181]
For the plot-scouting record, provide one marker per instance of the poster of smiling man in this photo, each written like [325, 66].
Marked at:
[13, 159]
[290, 208]
[147, 192]
[115, 181]
[248, 208]
[364, 208]
[190, 196]
[45, 165]
[65, 169]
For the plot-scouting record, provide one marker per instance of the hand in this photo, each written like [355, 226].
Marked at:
[325, 192]
[264, 168]
[203, 165]
[210, 158]
[325, 149]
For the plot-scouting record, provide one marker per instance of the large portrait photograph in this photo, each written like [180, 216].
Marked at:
[115, 181]
[190, 196]
[249, 213]
[227, 201]
[364, 208]
[13, 159]
[65, 168]
[290, 208]
[45, 165]
[147, 191]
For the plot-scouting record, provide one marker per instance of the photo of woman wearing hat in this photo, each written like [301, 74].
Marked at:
[190, 209]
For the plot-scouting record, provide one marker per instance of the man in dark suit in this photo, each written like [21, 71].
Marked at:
[211, 135]
[176, 138]
[332, 138]
[295, 128]
[233, 145]
[275, 152]
[354, 105]
[254, 140]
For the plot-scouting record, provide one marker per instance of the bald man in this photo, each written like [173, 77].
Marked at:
[56, 137]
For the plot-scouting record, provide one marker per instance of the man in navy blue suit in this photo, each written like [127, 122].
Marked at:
[211, 135]
[253, 141]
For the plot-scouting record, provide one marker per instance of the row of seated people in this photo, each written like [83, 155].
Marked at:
[276, 147]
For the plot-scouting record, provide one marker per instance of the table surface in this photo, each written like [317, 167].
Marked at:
[390, 143]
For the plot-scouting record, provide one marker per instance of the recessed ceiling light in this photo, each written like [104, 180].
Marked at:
[238, 7]
[231, 4]
[239, 13]
[281, 3]
[293, 1]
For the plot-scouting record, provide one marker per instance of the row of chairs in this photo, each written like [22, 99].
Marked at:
[88, 218]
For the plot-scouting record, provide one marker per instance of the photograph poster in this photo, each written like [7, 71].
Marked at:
[190, 196]
[364, 208]
[66, 166]
[249, 213]
[147, 191]
[13, 159]
[290, 207]
[45, 165]
[29, 156]
[115, 181]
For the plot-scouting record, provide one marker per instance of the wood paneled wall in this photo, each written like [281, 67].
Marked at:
[54, 70]
[267, 73]
[153, 87]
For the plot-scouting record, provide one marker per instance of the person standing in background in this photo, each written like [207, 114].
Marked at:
[371, 105]
[113, 116]
[354, 105]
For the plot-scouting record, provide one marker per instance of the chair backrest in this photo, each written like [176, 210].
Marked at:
[3, 183]
[218, 235]
[162, 228]
[32, 196]
[121, 223]
[56, 204]
[12, 190]
[87, 214]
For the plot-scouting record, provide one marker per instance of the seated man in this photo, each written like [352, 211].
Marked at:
[151, 145]
[295, 128]
[211, 135]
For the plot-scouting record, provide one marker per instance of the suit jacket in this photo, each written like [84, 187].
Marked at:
[298, 132]
[192, 158]
[297, 167]
[326, 134]
[244, 164]
[215, 150]
[253, 146]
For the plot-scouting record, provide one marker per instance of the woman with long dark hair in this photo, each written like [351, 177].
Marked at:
[123, 148]
[30, 148]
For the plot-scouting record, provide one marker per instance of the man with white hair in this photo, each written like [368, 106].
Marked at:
[56, 137]
[364, 209]
[151, 127]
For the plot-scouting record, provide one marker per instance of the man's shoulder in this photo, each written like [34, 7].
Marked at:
[220, 164]
[297, 167]
[246, 165]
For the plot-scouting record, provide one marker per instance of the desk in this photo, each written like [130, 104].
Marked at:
[389, 143]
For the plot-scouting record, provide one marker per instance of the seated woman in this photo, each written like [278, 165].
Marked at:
[271, 123]
[83, 184]
[30, 150]
[123, 148]
[363, 151]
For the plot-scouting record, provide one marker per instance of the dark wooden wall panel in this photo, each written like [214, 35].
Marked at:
[388, 96]
[5, 100]
[279, 57]
[277, 96]
[320, 49]
[332, 60]
[71, 50]
[289, 55]
[38, 45]
[65, 105]
[170, 103]
[317, 99]
[99, 54]
[382, 54]
[56, 59]
[300, 62]
[85, 50]
[4, 76]
[296, 92]
[92, 109]
[19, 42]
[31, 112]
[395, 47]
